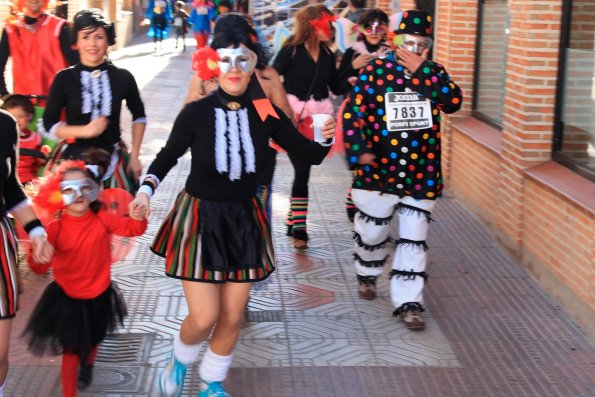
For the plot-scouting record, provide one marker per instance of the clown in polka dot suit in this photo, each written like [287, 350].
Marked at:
[392, 139]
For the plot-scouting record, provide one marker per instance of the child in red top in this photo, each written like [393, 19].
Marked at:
[30, 156]
[81, 305]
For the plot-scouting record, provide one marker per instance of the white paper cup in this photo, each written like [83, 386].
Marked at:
[318, 121]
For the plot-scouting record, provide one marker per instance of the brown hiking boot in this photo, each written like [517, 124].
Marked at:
[300, 244]
[412, 319]
[300, 239]
[366, 288]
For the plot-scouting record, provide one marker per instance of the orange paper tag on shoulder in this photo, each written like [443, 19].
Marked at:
[265, 108]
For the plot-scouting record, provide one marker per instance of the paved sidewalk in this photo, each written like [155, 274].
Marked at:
[491, 331]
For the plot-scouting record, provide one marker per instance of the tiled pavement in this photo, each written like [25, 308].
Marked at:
[491, 330]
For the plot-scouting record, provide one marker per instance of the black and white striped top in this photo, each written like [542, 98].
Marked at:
[11, 192]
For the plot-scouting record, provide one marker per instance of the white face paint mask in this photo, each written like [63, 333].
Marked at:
[241, 58]
[73, 189]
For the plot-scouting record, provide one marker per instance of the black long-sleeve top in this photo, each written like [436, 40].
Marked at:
[159, 21]
[71, 56]
[11, 192]
[195, 128]
[298, 69]
[65, 93]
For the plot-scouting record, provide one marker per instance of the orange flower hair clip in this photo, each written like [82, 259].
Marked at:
[204, 61]
[48, 197]
[394, 40]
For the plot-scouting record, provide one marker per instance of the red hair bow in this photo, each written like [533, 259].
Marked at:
[323, 24]
[204, 61]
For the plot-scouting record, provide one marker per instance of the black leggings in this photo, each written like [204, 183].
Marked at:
[301, 178]
[158, 34]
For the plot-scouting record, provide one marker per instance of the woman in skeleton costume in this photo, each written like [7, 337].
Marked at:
[91, 93]
[392, 140]
[216, 239]
[271, 84]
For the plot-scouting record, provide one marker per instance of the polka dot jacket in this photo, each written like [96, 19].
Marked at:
[407, 162]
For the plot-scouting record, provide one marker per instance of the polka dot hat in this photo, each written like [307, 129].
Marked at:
[415, 22]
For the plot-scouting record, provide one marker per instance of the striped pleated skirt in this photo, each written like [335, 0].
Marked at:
[9, 270]
[213, 241]
[119, 177]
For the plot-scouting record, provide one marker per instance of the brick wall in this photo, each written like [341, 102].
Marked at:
[529, 104]
[455, 48]
[544, 227]
[109, 7]
[407, 4]
[472, 166]
[560, 235]
[385, 5]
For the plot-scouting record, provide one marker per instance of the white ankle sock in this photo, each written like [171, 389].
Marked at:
[214, 367]
[186, 354]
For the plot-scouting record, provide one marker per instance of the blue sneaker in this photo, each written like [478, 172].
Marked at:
[171, 380]
[212, 389]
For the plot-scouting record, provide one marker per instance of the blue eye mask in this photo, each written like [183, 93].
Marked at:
[72, 190]
[240, 58]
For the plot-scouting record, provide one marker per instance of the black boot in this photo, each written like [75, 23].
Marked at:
[351, 211]
[85, 377]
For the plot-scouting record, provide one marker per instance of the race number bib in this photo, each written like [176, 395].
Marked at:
[407, 111]
[202, 10]
[178, 22]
